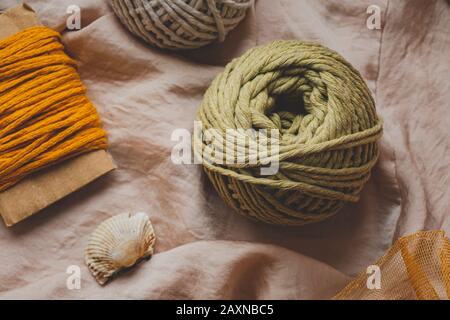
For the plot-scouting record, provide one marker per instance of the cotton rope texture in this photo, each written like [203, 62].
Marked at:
[180, 24]
[416, 267]
[328, 131]
[45, 116]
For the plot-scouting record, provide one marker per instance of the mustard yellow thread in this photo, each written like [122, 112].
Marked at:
[45, 115]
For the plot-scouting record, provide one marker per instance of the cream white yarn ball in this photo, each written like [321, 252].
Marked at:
[180, 24]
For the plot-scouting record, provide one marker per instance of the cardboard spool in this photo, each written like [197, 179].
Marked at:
[45, 187]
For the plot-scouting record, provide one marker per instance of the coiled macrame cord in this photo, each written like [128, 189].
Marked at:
[327, 123]
[180, 24]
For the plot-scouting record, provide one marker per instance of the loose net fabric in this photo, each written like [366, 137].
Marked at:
[417, 267]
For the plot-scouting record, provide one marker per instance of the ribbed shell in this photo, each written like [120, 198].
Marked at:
[118, 243]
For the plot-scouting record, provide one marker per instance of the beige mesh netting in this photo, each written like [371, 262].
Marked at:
[415, 267]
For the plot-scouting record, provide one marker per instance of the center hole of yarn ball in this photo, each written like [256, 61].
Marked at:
[288, 112]
[288, 108]
[296, 105]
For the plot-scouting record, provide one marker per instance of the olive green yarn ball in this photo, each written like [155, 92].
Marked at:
[327, 124]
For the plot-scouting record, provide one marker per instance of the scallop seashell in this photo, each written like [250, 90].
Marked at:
[118, 243]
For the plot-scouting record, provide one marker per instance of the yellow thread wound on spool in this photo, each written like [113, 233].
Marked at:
[327, 143]
[45, 115]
